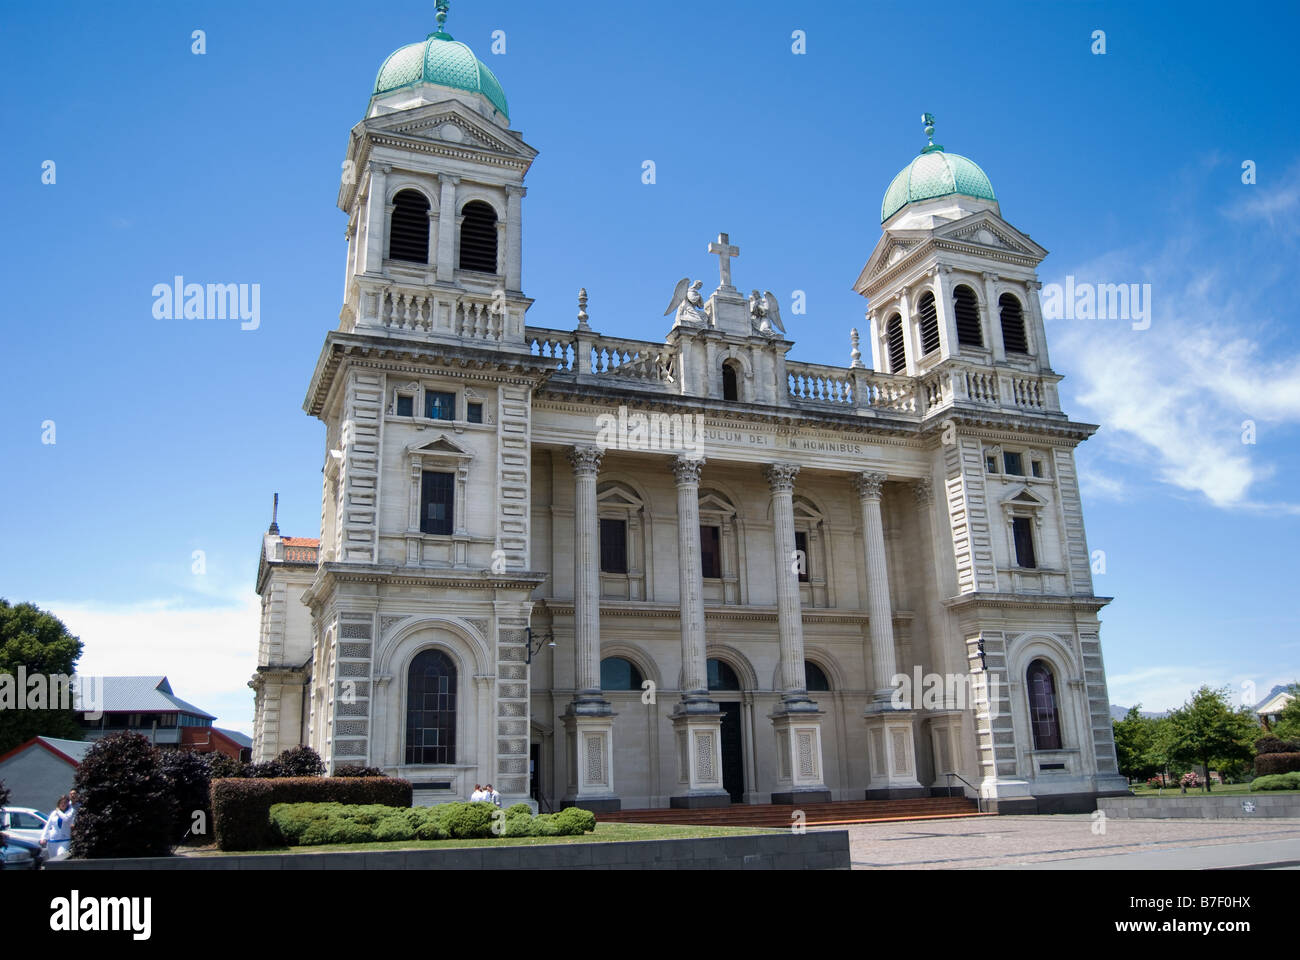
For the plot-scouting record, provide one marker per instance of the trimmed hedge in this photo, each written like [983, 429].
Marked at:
[1277, 781]
[241, 808]
[1269, 763]
[312, 824]
[1275, 745]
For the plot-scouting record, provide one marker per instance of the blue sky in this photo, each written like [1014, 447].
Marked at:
[172, 435]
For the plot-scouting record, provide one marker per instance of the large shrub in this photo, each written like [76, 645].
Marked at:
[241, 808]
[191, 788]
[313, 824]
[1277, 781]
[220, 765]
[352, 770]
[300, 762]
[127, 805]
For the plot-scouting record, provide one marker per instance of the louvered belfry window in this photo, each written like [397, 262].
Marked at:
[929, 317]
[894, 343]
[1013, 325]
[478, 238]
[408, 232]
[966, 310]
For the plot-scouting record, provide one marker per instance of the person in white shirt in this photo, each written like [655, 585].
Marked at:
[477, 795]
[491, 796]
[57, 835]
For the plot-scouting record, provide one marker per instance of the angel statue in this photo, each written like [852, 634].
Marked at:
[766, 313]
[688, 303]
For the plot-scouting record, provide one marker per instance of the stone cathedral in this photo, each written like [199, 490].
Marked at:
[691, 572]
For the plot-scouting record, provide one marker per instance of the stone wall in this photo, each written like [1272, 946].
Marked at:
[1198, 805]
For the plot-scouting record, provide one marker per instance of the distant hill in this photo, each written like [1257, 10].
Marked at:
[1119, 713]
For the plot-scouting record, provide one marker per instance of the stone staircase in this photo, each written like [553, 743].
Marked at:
[771, 815]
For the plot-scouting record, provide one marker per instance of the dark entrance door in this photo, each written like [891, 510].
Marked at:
[733, 764]
[535, 770]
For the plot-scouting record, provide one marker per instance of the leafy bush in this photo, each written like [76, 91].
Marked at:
[266, 770]
[575, 820]
[241, 807]
[1271, 744]
[464, 820]
[127, 805]
[220, 765]
[351, 770]
[1190, 780]
[192, 790]
[1272, 763]
[300, 762]
[1277, 781]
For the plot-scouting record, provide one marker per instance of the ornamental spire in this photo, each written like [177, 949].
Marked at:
[931, 147]
[441, 7]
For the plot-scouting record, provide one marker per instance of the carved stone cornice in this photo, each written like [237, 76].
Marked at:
[687, 469]
[869, 485]
[585, 460]
[780, 476]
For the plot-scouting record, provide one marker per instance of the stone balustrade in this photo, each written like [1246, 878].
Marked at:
[847, 387]
[396, 309]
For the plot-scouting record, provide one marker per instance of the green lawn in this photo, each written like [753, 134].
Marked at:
[604, 833]
[1225, 790]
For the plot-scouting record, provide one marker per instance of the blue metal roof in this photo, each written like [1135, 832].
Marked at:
[145, 695]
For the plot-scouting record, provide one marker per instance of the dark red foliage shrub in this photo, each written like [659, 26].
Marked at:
[241, 809]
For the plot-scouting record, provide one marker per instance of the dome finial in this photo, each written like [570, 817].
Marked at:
[441, 16]
[932, 147]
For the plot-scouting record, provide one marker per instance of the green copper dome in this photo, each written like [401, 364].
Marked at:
[440, 59]
[935, 174]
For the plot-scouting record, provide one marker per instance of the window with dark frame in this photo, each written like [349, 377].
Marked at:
[1013, 325]
[730, 391]
[1013, 464]
[801, 547]
[966, 312]
[478, 237]
[894, 344]
[815, 678]
[439, 405]
[929, 317]
[408, 228]
[405, 405]
[437, 502]
[474, 412]
[711, 552]
[1037, 466]
[991, 463]
[1044, 718]
[1022, 532]
[619, 673]
[431, 709]
[613, 545]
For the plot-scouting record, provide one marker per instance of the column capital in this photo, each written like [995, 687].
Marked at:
[448, 178]
[869, 485]
[515, 191]
[585, 460]
[780, 476]
[687, 469]
[923, 490]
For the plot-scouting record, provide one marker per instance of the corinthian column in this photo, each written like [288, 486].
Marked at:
[883, 662]
[891, 744]
[797, 720]
[588, 722]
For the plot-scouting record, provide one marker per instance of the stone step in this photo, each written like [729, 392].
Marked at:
[769, 815]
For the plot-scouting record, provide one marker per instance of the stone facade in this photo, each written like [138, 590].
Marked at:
[920, 523]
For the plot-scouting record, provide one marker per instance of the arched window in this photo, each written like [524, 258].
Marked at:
[722, 677]
[1043, 716]
[894, 344]
[1013, 325]
[966, 310]
[730, 391]
[929, 317]
[431, 709]
[478, 237]
[408, 231]
[815, 677]
[617, 673]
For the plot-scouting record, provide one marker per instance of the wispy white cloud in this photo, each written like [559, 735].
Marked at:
[208, 652]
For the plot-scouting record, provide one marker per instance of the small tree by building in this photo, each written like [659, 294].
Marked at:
[1134, 736]
[39, 643]
[1206, 730]
[127, 806]
[1288, 721]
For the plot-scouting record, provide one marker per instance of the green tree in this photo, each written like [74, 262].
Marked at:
[41, 644]
[1206, 731]
[1134, 738]
[1288, 722]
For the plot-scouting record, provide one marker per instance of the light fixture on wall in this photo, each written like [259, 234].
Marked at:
[544, 639]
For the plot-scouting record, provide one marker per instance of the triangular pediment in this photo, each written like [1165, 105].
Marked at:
[441, 447]
[987, 229]
[1024, 498]
[893, 247]
[453, 125]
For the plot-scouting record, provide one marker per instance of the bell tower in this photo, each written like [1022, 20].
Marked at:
[433, 186]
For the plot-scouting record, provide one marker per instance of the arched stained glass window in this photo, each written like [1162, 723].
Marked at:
[431, 709]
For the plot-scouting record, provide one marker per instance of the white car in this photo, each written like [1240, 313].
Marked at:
[23, 823]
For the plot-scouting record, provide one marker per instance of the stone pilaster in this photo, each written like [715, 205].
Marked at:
[697, 720]
[889, 725]
[589, 721]
[514, 237]
[375, 225]
[797, 720]
[447, 227]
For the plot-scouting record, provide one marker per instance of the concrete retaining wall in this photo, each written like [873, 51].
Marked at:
[1202, 805]
[818, 850]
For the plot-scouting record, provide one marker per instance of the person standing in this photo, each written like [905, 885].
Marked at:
[491, 796]
[56, 838]
[477, 795]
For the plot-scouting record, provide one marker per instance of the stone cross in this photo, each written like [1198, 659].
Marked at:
[725, 252]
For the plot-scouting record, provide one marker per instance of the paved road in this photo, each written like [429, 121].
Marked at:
[1074, 842]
